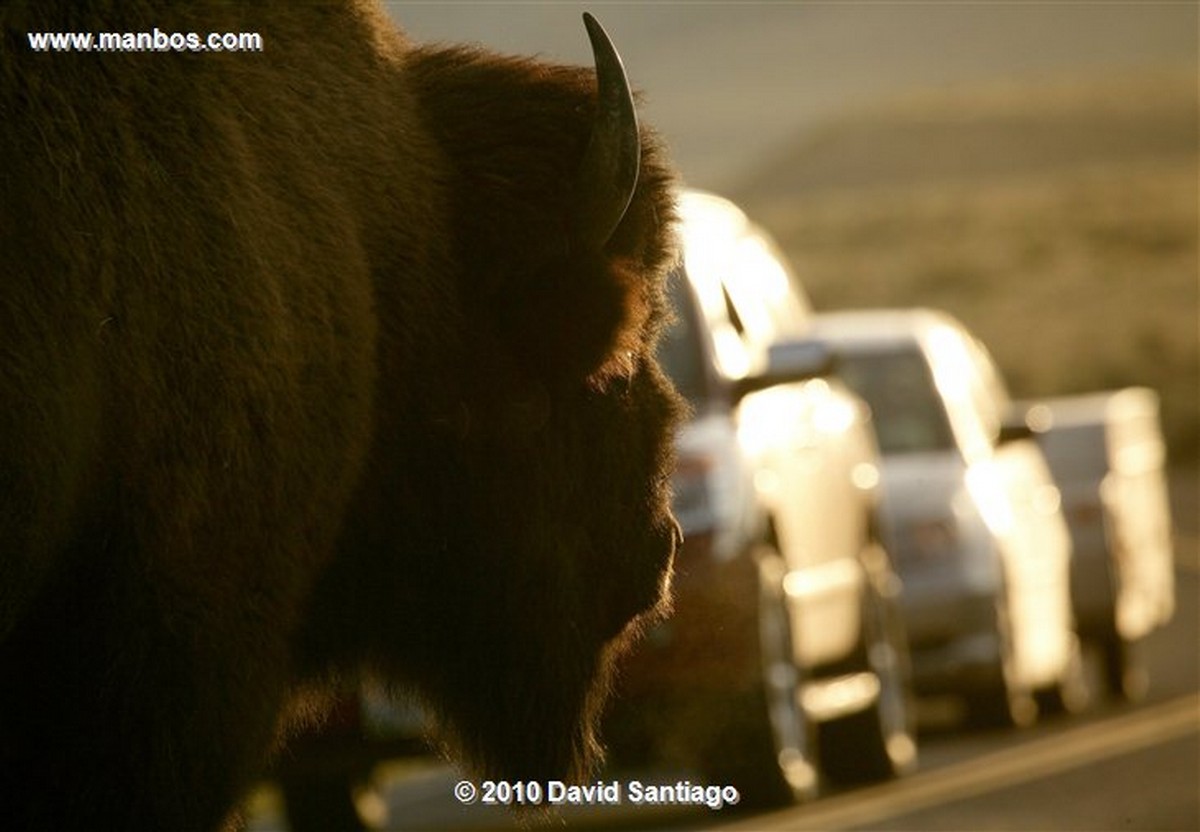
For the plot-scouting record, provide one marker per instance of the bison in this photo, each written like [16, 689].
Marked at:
[329, 359]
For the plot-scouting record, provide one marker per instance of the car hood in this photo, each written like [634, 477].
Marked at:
[921, 486]
[931, 519]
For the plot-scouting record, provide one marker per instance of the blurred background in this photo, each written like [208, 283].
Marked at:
[1029, 167]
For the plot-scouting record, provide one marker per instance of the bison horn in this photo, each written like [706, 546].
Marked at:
[608, 173]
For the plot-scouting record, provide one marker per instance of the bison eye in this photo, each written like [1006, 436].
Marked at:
[629, 370]
[617, 374]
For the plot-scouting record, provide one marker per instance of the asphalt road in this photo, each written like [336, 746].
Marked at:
[1117, 767]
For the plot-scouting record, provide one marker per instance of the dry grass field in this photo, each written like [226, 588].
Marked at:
[1058, 220]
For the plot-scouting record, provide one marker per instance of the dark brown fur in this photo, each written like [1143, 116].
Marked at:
[304, 370]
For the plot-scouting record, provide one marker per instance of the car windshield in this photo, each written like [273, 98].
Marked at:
[680, 350]
[898, 387]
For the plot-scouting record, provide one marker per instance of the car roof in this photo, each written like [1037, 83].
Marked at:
[1087, 405]
[870, 328]
[1099, 406]
[734, 264]
[695, 205]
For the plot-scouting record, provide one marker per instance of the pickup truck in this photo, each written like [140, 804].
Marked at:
[1107, 455]
[786, 658]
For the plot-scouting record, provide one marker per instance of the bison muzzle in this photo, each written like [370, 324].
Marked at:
[330, 359]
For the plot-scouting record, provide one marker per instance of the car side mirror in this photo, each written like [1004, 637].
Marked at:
[1014, 431]
[1024, 421]
[789, 362]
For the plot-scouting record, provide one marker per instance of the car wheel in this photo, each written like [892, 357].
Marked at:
[320, 804]
[878, 742]
[766, 745]
[1126, 677]
[1004, 702]
[1124, 673]
[1072, 693]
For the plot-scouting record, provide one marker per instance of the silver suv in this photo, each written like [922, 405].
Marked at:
[973, 517]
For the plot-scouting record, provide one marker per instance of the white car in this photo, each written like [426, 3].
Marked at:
[973, 518]
[786, 653]
[1107, 453]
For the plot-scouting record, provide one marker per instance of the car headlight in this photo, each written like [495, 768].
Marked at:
[991, 499]
[692, 485]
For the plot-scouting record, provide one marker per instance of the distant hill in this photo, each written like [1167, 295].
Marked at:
[1000, 130]
[1058, 220]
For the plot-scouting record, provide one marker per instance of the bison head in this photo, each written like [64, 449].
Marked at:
[514, 527]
